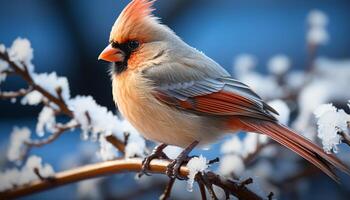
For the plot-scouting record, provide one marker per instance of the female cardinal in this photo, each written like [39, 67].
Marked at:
[174, 94]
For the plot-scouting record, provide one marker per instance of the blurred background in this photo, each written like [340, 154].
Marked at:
[67, 37]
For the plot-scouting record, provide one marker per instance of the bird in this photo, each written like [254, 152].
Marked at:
[173, 94]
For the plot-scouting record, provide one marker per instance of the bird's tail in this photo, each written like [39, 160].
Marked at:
[300, 145]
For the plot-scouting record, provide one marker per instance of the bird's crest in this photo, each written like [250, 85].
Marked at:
[131, 22]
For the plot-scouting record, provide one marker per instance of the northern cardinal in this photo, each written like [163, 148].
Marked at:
[174, 94]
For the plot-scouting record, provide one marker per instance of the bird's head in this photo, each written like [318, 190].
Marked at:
[136, 37]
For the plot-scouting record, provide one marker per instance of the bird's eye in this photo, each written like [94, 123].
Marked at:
[133, 44]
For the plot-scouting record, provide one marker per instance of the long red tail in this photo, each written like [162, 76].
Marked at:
[299, 145]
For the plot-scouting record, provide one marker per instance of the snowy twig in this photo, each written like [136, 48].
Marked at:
[122, 166]
[60, 130]
[24, 73]
[15, 94]
[168, 189]
[37, 172]
[118, 144]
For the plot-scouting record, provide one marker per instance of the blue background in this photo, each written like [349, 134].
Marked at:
[67, 37]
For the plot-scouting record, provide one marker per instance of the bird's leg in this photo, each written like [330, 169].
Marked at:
[174, 167]
[156, 153]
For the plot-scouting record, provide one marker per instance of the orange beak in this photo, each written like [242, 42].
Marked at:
[111, 54]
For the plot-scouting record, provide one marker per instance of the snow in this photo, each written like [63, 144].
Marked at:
[317, 18]
[231, 163]
[14, 177]
[89, 189]
[32, 98]
[265, 86]
[317, 36]
[243, 64]
[3, 66]
[195, 165]
[330, 122]
[2, 48]
[234, 145]
[317, 33]
[104, 123]
[46, 121]
[51, 82]
[283, 110]
[21, 51]
[17, 139]
[134, 148]
[323, 109]
[107, 151]
[279, 64]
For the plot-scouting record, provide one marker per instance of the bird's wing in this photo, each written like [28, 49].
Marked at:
[206, 92]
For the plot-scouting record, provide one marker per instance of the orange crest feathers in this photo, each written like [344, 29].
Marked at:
[131, 22]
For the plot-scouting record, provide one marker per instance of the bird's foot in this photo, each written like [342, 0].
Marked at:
[173, 169]
[156, 153]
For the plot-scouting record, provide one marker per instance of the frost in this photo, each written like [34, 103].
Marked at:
[330, 122]
[231, 164]
[14, 177]
[21, 51]
[46, 121]
[51, 82]
[279, 64]
[283, 110]
[33, 98]
[195, 165]
[17, 139]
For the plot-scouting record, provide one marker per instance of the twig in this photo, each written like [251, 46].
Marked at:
[168, 189]
[116, 143]
[345, 137]
[60, 130]
[270, 196]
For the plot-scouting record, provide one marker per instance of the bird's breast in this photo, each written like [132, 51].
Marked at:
[156, 121]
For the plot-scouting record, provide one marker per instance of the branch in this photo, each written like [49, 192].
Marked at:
[116, 167]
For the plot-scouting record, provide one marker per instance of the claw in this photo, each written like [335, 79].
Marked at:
[173, 169]
[156, 153]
